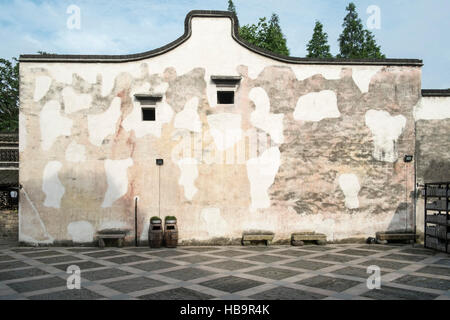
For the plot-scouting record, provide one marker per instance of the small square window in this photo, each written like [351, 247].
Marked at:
[225, 97]
[148, 114]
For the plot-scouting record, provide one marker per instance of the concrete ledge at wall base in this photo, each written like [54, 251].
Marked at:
[299, 238]
[396, 236]
[254, 236]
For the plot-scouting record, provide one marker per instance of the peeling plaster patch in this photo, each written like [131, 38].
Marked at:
[432, 108]
[349, 184]
[41, 87]
[75, 102]
[104, 124]
[161, 88]
[52, 186]
[26, 221]
[215, 224]
[261, 174]
[188, 175]
[22, 132]
[164, 114]
[189, 118]
[144, 233]
[225, 129]
[303, 72]
[53, 124]
[386, 130]
[362, 77]
[117, 178]
[262, 118]
[81, 231]
[75, 152]
[316, 106]
[113, 225]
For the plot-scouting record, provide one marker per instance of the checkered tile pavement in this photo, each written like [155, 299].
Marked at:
[225, 273]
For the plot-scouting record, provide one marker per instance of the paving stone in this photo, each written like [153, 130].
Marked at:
[444, 262]
[385, 264]
[293, 253]
[376, 247]
[435, 270]
[83, 265]
[306, 264]
[230, 265]
[229, 253]
[103, 253]
[355, 272]
[21, 250]
[154, 265]
[257, 248]
[177, 294]
[24, 273]
[81, 294]
[6, 258]
[274, 273]
[419, 251]
[231, 284]
[424, 282]
[265, 258]
[82, 250]
[199, 249]
[335, 258]
[127, 259]
[284, 293]
[357, 252]
[195, 259]
[316, 248]
[140, 249]
[404, 257]
[58, 259]
[104, 274]
[167, 253]
[38, 284]
[391, 293]
[329, 283]
[42, 253]
[134, 284]
[187, 274]
[13, 265]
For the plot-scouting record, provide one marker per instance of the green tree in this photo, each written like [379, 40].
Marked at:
[355, 41]
[266, 35]
[318, 45]
[231, 6]
[9, 95]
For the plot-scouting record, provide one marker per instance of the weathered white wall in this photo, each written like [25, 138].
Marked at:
[85, 153]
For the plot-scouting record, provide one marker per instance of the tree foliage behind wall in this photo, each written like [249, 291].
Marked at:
[9, 95]
[318, 45]
[265, 34]
[355, 41]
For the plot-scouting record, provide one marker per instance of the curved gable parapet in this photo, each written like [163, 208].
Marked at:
[235, 35]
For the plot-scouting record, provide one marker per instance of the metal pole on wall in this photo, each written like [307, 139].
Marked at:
[135, 222]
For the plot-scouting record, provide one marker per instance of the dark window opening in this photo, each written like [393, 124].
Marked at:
[225, 97]
[148, 114]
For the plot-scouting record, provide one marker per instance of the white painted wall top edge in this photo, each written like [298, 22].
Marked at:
[196, 14]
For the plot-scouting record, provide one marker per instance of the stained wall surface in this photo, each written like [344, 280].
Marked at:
[304, 147]
[432, 116]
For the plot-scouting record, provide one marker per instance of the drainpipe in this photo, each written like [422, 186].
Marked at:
[135, 222]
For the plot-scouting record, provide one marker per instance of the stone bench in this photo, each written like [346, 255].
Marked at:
[118, 235]
[395, 236]
[252, 236]
[299, 238]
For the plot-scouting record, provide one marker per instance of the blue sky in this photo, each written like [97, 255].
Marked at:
[409, 29]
